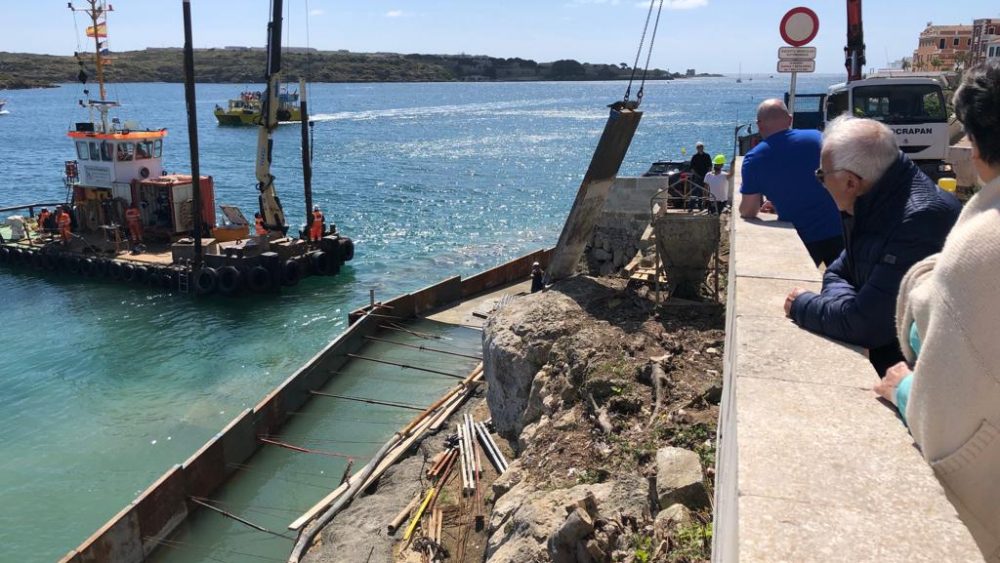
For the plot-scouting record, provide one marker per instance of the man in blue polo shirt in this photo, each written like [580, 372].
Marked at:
[782, 168]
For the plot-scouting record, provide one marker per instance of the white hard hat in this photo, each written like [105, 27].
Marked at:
[315, 208]
[535, 265]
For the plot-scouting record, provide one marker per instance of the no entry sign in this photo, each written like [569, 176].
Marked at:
[799, 26]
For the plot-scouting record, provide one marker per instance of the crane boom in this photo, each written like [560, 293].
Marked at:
[854, 51]
[270, 205]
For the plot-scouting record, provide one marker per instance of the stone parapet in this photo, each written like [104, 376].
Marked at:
[810, 466]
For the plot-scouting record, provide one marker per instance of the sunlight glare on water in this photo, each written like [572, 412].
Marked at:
[107, 386]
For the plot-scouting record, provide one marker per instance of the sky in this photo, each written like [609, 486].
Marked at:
[722, 36]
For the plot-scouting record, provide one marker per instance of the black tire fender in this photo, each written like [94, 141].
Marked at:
[128, 273]
[291, 272]
[259, 279]
[206, 281]
[346, 250]
[230, 279]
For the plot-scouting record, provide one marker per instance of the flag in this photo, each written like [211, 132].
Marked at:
[100, 31]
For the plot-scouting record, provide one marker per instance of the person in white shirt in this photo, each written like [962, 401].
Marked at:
[718, 184]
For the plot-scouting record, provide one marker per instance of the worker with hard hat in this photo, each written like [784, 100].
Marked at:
[133, 218]
[718, 184]
[65, 223]
[537, 277]
[316, 229]
[43, 217]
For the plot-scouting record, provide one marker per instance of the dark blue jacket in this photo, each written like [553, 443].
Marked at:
[903, 219]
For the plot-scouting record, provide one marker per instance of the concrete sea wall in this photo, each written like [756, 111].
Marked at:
[810, 466]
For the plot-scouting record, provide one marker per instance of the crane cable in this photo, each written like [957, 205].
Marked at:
[638, 54]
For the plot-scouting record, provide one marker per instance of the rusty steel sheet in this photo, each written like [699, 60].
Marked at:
[589, 203]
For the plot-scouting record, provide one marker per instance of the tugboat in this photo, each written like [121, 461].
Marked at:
[248, 108]
[126, 219]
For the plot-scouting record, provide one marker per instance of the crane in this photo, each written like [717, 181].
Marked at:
[854, 51]
[270, 204]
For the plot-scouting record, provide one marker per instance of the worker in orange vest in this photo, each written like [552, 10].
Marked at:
[65, 225]
[316, 231]
[42, 218]
[133, 218]
[258, 224]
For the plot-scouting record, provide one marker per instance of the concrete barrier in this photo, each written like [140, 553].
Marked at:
[810, 466]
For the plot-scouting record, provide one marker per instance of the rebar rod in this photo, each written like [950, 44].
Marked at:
[367, 400]
[424, 348]
[405, 366]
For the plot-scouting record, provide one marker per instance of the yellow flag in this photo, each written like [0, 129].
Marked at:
[100, 31]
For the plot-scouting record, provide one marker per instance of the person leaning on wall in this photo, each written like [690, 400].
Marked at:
[948, 389]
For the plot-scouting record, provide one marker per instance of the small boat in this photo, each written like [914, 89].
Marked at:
[247, 109]
[2, 104]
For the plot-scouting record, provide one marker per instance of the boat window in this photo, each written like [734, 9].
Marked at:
[125, 152]
[158, 148]
[143, 150]
[106, 148]
[910, 103]
[95, 151]
[82, 151]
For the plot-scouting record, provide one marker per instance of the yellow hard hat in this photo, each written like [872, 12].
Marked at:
[719, 159]
[948, 184]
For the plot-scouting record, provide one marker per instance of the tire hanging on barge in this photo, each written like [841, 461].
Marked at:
[206, 281]
[230, 280]
[259, 279]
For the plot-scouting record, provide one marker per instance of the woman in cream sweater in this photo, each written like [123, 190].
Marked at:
[948, 320]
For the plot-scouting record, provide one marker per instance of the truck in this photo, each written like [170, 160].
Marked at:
[911, 104]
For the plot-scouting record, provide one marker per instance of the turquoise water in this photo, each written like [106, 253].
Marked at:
[106, 386]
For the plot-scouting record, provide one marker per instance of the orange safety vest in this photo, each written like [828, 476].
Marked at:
[259, 226]
[64, 221]
[317, 217]
[132, 215]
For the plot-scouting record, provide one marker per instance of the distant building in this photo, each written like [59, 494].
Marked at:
[984, 31]
[941, 47]
[993, 48]
[690, 72]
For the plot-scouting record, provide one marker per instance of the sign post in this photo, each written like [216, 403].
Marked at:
[798, 27]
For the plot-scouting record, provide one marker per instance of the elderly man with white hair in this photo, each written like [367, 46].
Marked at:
[893, 216]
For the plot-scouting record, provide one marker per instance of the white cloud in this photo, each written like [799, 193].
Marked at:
[676, 4]
[394, 13]
[684, 4]
[316, 12]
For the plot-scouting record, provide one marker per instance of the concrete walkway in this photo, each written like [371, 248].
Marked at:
[811, 467]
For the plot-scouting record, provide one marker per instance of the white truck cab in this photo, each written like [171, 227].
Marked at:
[912, 106]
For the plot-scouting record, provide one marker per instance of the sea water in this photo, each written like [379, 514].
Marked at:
[106, 386]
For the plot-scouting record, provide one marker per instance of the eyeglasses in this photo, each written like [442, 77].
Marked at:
[821, 175]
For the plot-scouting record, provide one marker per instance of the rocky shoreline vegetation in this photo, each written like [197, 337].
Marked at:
[607, 408]
[244, 65]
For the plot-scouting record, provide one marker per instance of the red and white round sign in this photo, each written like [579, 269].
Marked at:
[799, 26]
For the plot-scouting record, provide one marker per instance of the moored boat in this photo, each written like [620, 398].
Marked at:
[248, 108]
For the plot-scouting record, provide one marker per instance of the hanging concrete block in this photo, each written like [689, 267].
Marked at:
[589, 203]
[686, 242]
